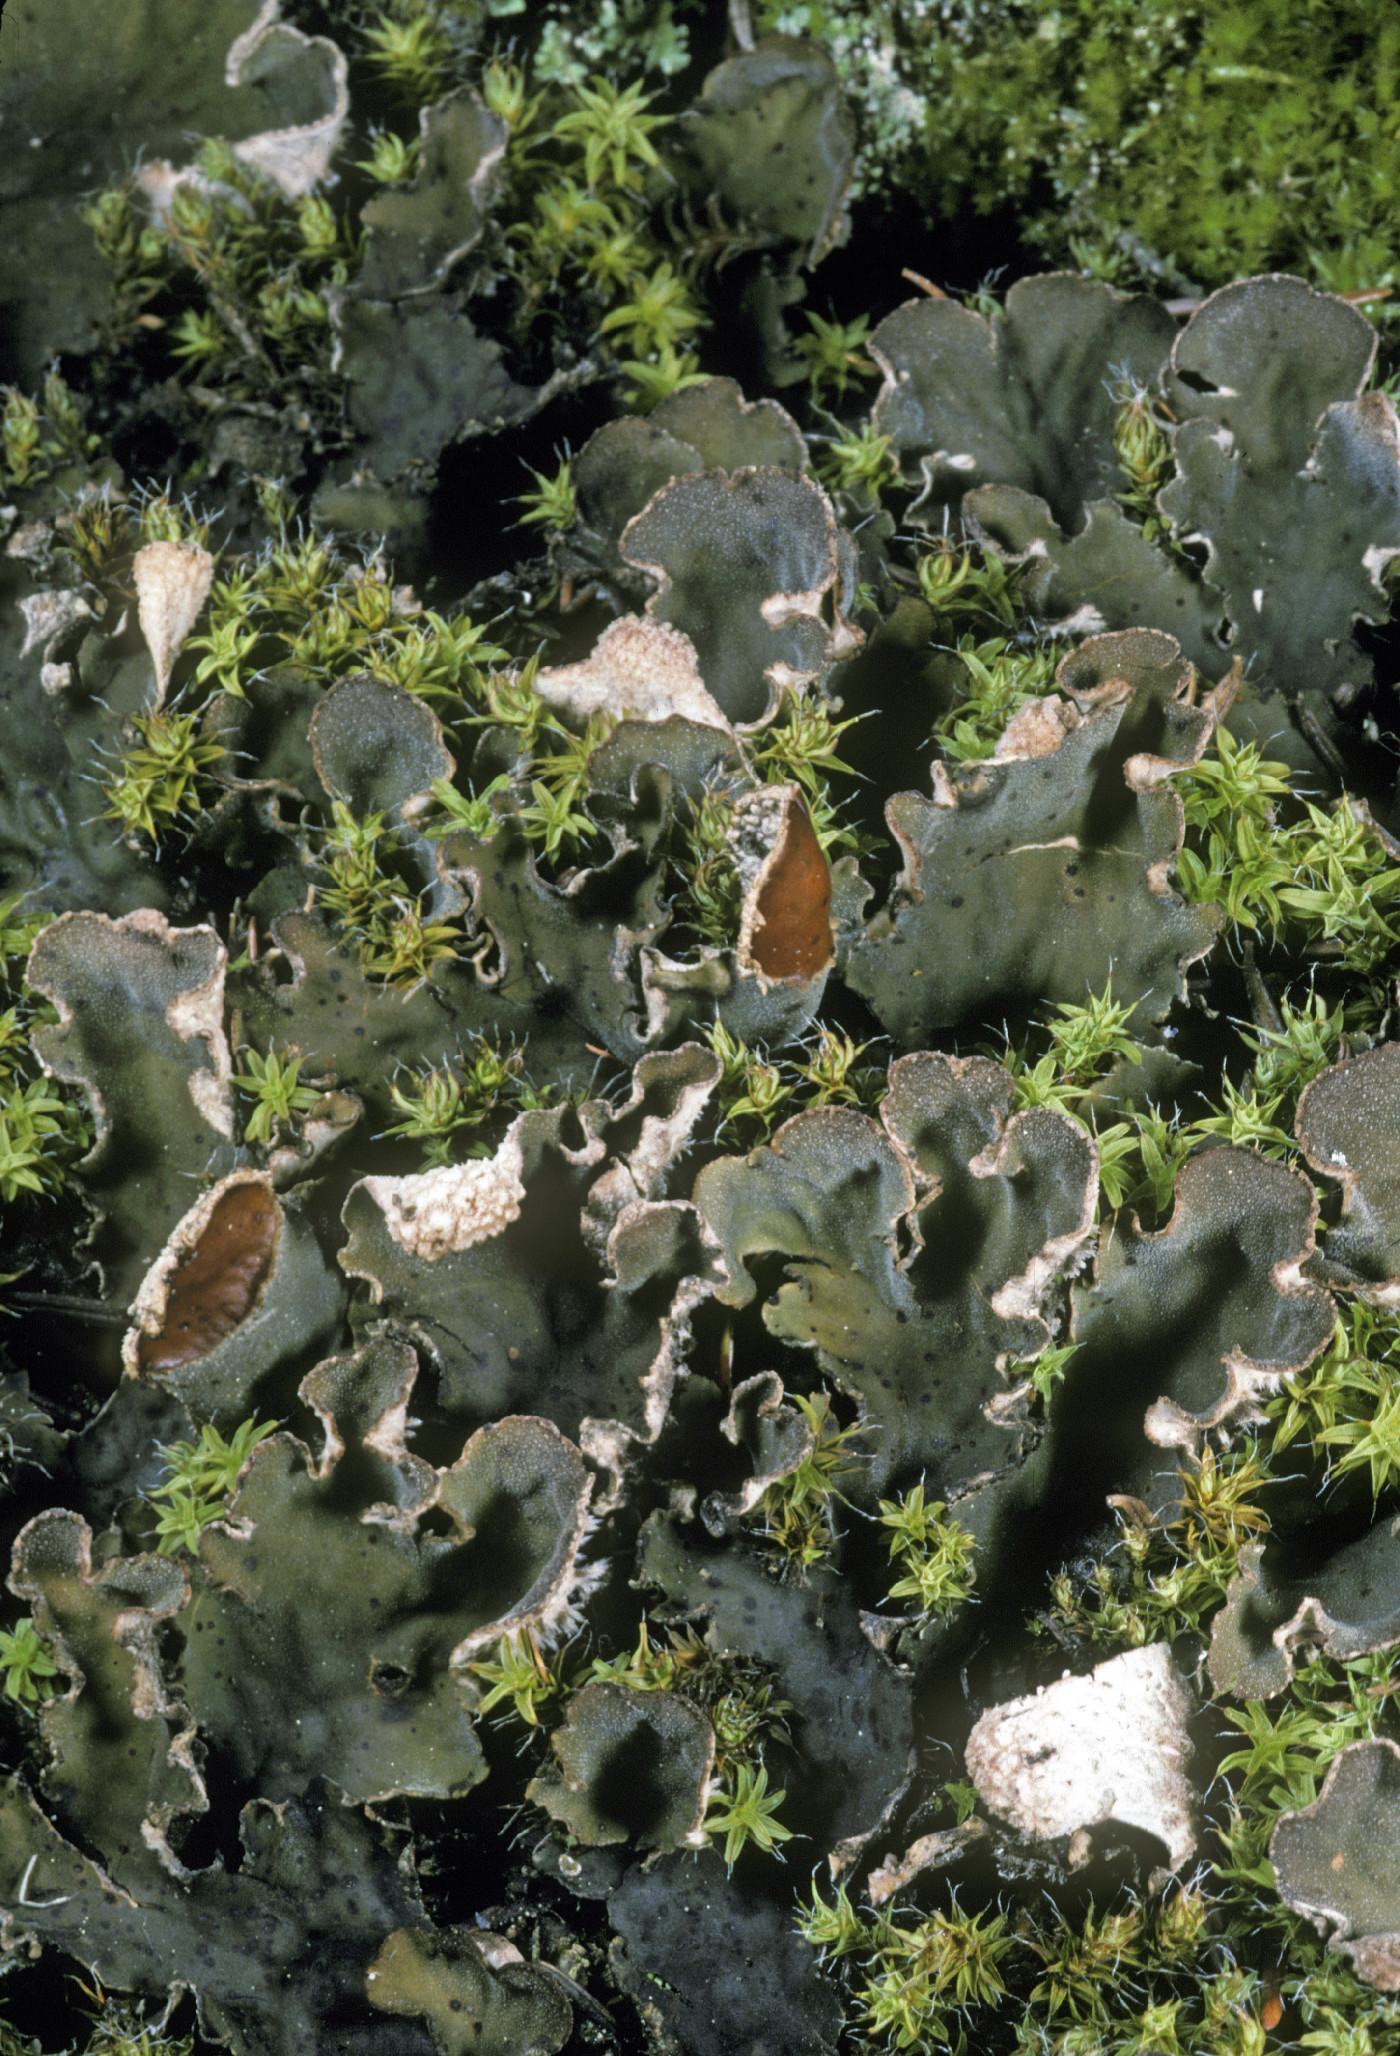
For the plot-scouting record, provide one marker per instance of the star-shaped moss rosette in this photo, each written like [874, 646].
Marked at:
[1041, 872]
[549, 1278]
[1346, 1606]
[1288, 473]
[1338, 1861]
[88, 688]
[921, 1257]
[1025, 400]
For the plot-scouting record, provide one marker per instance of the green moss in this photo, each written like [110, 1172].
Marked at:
[1347, 1404]
[933, 1555]
[1125, 1977]
[27, 1663]
[41, 436]
[202, 1478]
[44, 1127]
[797, 1511]
[159, 782]
[229, 283]
[584, 242]
[633, 35]
[1178, 142]
[1165, 1578]
[438, 1106]
[1322, 879]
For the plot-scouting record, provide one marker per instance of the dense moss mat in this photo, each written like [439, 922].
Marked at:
[1190, 144]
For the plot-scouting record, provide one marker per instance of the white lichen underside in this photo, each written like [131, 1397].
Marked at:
[439, 1213]
[172, 581]
[1109, 1746]
[641, 670]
